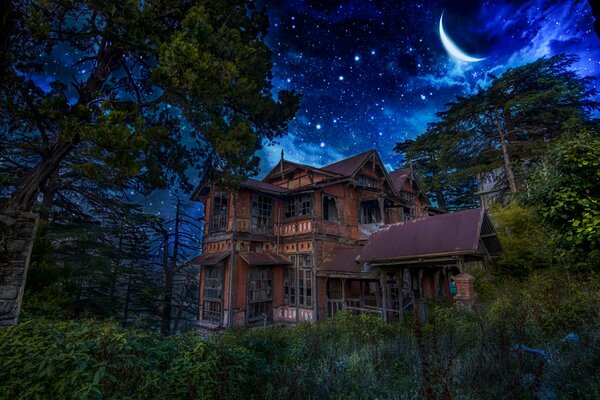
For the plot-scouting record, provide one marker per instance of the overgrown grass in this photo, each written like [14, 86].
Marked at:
[457, 355]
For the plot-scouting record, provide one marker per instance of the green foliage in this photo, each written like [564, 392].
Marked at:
[526, 244]
[566, 192]
[152, 89]
[500, 125]
[458, 354]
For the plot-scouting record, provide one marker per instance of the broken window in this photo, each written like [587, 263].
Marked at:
[408, 213]
[289, 283]
[370, 212]
[330, 210]
[213, 294]
[260, 295]
[297, 284]
[218, 221]
[262, 214]
[305, 205]
[290, 208]
[298, 207]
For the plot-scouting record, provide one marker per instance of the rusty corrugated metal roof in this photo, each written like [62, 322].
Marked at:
[264, 259]
[208, 259]
[445, 234]
[343, 259]
[263, 186]
[348, 166]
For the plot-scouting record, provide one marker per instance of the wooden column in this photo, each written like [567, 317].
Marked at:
[382, 282]
[343, 293]
[400, 283]
[230, 315]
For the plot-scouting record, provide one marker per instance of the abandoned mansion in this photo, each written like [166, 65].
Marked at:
[306, 242]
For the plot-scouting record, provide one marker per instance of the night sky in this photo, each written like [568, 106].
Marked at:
[375, 72]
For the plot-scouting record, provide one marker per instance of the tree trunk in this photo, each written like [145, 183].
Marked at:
[49, 191]
[27, 189]
[127, 298]
[507, 166]
[165, 327]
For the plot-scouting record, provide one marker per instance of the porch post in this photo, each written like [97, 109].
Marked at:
[382, 282]
[400, 284]
[343, 293]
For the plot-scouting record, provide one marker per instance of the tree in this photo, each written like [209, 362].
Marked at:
[136, 78]
[175, 242]
[566, 191]
[501, 125]
[523, 108]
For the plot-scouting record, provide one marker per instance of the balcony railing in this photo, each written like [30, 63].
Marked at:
[218, 223]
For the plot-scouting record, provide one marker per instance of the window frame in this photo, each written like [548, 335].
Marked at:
[298, 282]
[262, 214]
[219, 218]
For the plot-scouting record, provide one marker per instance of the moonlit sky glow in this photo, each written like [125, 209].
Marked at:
[375, 72]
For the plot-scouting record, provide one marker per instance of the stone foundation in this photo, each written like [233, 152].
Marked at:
[17, 234]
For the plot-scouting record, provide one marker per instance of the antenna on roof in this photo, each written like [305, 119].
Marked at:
[281, 162]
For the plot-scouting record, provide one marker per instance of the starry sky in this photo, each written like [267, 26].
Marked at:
[375, 72]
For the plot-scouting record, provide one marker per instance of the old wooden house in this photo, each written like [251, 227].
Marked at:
[306, 242]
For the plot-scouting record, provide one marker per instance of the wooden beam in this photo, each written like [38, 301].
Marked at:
[384, 295]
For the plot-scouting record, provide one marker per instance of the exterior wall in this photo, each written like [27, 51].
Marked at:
[299, 235]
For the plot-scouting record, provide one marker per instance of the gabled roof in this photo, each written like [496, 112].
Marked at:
[289, 166]
[348, 166]
[398, 178]
[456, 233]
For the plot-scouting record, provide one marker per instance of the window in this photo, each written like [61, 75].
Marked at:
[305, 205]
[330, 210]
[213, 283]
[298, 207]
[408, 213]
[218, 221]
[262, 214]
[370, 212]
[297, 284]
[290, 208]
[213, 294]
[260, 295]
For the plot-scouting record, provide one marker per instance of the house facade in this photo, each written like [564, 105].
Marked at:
[290, 248]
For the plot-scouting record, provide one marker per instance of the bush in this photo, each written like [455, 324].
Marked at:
[458, 354]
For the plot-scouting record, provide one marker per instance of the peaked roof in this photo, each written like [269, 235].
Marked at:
[456, 233]
[289, 165]
[398, 177]
[348, 166]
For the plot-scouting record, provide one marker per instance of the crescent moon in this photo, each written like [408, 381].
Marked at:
[452, 48]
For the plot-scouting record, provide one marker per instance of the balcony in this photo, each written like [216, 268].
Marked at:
[218, 223]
